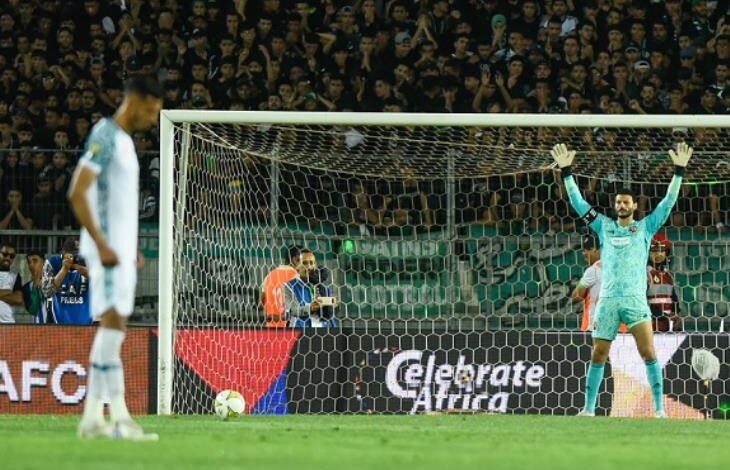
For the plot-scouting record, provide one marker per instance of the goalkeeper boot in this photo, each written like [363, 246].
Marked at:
[660, 415]
[131, 431]
[590, 414]
[92, 430]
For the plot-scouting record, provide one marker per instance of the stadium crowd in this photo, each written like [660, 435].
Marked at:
[63, 64]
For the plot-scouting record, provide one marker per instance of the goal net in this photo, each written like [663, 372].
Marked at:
[449, 249]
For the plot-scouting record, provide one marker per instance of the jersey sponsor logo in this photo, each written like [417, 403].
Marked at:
[95, 148]
[620, 242]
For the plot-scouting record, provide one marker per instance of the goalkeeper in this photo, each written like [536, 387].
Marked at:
[624, 253]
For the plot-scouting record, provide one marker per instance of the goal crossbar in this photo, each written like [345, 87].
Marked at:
[442, 120]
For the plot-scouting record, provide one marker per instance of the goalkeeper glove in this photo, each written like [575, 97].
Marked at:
[682, 155]
[562, 156]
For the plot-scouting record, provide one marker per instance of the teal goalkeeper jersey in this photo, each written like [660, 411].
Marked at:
[624, 250]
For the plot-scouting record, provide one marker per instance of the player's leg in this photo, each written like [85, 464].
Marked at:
[112, 301]
[644, 338]
[92, 421]
[113, 330]
[594, 378]
[111, 335]
[605, 327]
[106, 376]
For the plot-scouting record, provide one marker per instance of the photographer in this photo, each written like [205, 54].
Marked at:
[318, 282]
[308, 301]
[66, 282]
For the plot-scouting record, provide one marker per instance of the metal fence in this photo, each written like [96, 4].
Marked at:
[49, 242]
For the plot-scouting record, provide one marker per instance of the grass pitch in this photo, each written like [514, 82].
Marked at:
[373, 442]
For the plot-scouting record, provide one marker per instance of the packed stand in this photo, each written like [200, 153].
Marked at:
[62, 67]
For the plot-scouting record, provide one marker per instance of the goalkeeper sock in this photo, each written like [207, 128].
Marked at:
[593, 383]
[95, 387]
[656, 382]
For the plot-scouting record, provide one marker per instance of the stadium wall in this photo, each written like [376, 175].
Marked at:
[43, 369]
[352, 371]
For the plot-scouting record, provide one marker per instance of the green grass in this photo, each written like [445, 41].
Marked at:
[373, 442]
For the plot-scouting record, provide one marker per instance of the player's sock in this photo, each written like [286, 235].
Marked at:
[656, 382]
[111, 346]
[593, 384]
[94, 404]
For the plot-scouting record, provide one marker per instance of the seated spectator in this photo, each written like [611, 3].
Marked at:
[65, 281]
[45, 204]
[11, 287]
[14, 215]
[35, 301]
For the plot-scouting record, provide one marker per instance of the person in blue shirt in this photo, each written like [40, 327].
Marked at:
[303, 295]
[624, 252]
[66, 282]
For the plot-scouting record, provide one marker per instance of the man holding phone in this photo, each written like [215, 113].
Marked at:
[306, 303]
[66, 282]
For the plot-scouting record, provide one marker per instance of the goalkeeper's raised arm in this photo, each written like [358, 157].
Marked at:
[659, 215]
[564, 158]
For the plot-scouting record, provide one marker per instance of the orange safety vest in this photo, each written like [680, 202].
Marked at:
[273, 295]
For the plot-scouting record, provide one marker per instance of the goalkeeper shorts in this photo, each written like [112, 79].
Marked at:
[612, 311]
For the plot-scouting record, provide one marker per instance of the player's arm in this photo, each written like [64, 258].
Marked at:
[296, 308]
[579, 293]
[661, 213]
[13, 296]
[587, 281]
[564, 158]
[83, 177]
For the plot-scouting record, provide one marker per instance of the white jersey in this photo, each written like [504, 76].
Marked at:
[592, 281]
[114, 196]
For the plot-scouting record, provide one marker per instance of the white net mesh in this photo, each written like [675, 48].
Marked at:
[428, 237]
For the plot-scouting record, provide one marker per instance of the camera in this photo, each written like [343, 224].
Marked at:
[78, 259]
[319, 275]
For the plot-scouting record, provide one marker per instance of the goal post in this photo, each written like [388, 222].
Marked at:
[235, 188]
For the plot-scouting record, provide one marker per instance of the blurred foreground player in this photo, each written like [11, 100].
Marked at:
[104, 196]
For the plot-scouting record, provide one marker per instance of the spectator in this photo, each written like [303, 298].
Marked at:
[303, 307]
[589, 285]
[35, 301]
[45, 206]
[11, 287]
[15, 216]
[568, 23]
[662, 293]
[65, 281]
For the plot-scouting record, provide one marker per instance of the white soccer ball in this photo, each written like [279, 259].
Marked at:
[229, 404]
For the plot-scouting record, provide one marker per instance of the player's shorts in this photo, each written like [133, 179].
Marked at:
[112, 287]
[612, 311]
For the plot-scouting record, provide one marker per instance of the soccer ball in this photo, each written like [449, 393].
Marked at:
[229, 404]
